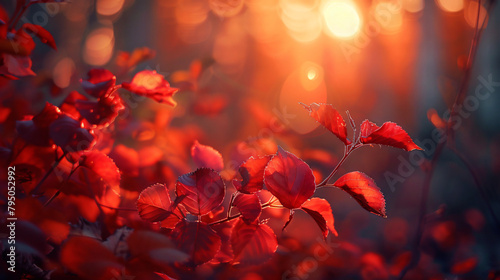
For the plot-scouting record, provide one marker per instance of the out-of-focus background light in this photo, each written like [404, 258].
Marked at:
[109, 7]
[63, 72]
[99, 45]
[301, 19]
[192, 24]
[389, 16]
[451, 5]
[471, 12]
[413, 6]
[342, 18]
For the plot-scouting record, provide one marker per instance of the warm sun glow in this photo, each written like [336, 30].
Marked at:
[311, 74]
[342, 18]
[451, 5]
[307, 85]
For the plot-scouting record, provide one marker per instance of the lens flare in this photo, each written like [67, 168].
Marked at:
[342, 18]
[307, 85]
[311, 74]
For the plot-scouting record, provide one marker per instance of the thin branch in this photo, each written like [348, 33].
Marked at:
[54, 165]
[449, 139]
[63, 184]
[415, 255]
[265, 205]
[478, 184]
[231, 204]
[342, 160]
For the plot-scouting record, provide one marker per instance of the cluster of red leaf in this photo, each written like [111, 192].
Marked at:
[16, 43]
[61, 160]
[194, 215]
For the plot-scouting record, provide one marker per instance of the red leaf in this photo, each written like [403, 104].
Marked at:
[41, 33]
[89, 259]
[252, 174]
[206, 156]
[127, 160]
[69, 134]
[4, 18]
[25, 43]
[225, 254]
[152, 85]
[389, 134]
[18, 65]
[435, 119]
[138, 55]
[154, 205]
[49, 114]
[198, 240]
[249, 206]
[465, 266]
[373, 267]
[210, 105]
[289, 178]
[330, 118]
[69, 104]
[100, 81]
[367, 128]
[321, 211]
[102, 112]
[204, 191]
[36, 131]
[141, 242]
[252, 243]
[104, 167]
[364, 190]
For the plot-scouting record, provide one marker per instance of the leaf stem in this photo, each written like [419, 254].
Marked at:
[229, 218]
[347, 152]
[231, 204]
[17, 17]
